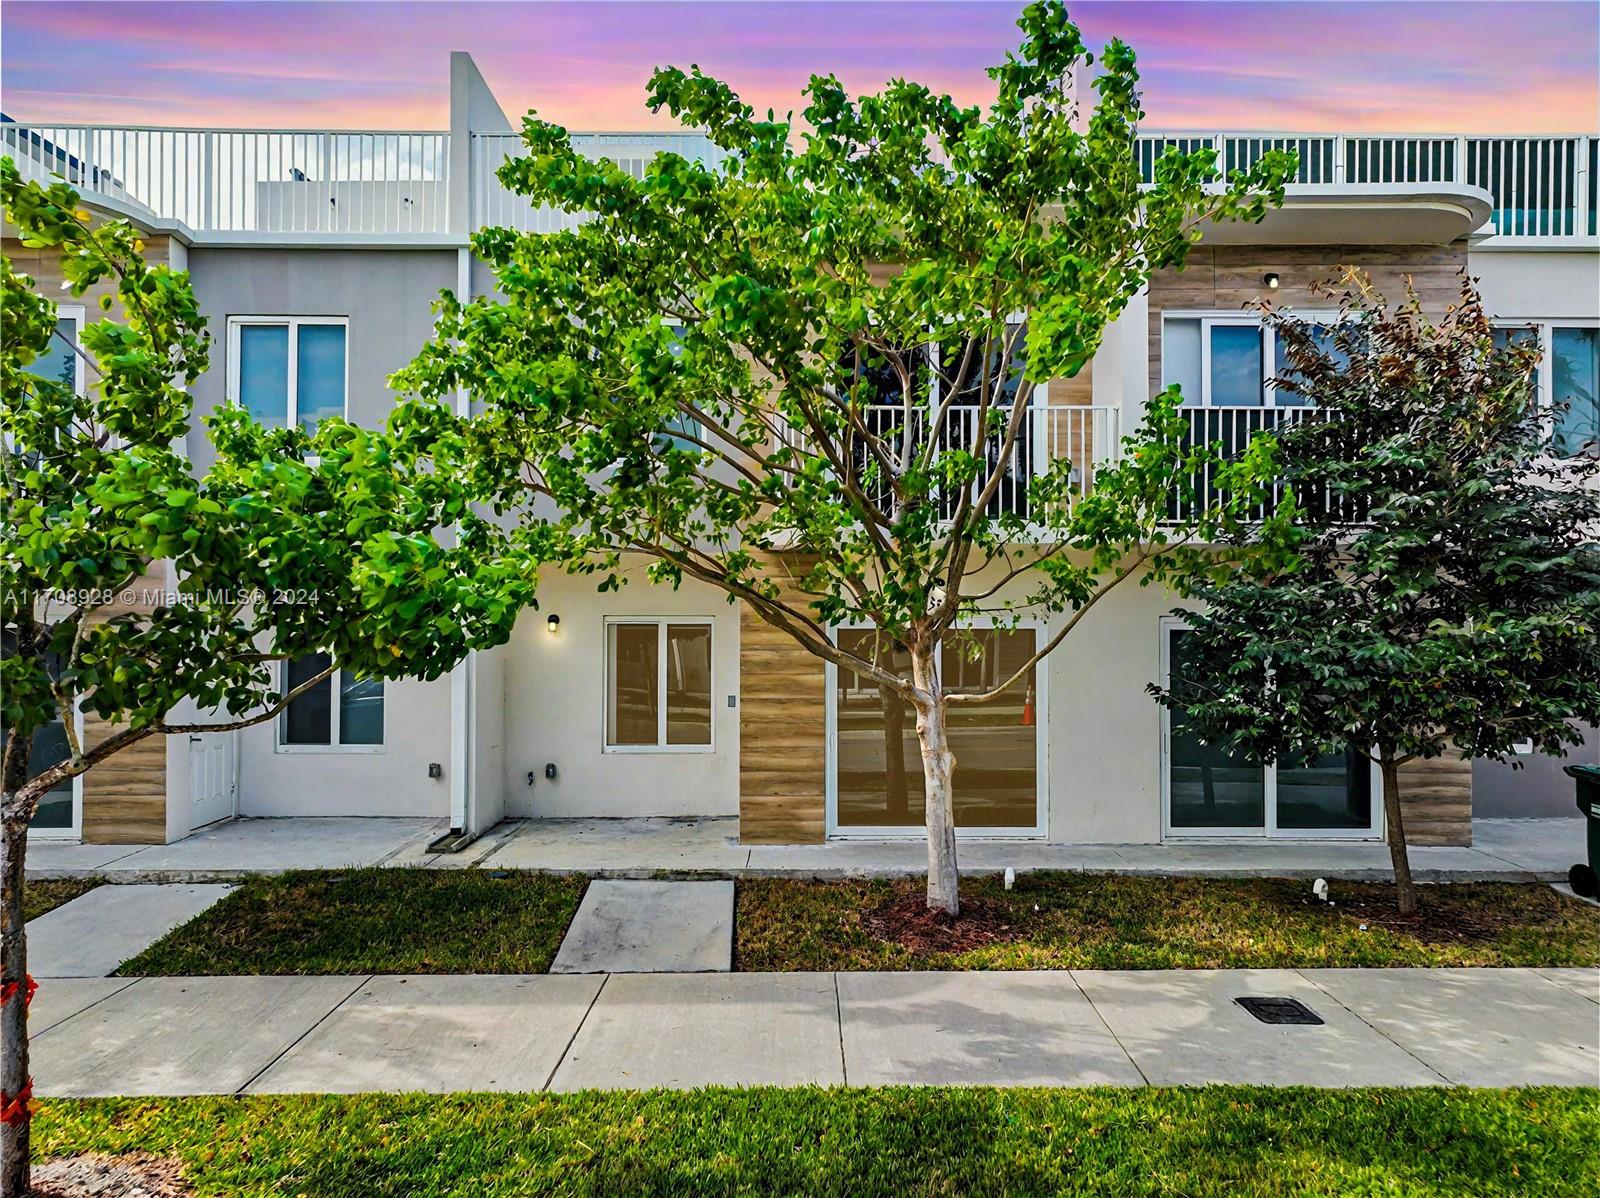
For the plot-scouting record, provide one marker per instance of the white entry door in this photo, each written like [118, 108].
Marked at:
[211, 777]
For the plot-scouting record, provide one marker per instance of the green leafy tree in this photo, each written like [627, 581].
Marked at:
[1439, 589]
[804, 375]
[291, 544]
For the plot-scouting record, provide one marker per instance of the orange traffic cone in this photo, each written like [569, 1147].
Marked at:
[1027, 708]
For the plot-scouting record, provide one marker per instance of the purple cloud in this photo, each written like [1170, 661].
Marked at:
[1400, 66]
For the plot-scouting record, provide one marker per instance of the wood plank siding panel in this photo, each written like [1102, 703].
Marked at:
[125, 798]
[1228, 279]
[783, 737]
[1436, 801]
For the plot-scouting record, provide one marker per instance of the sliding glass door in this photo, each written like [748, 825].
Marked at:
[875, 784]
[1211, 791]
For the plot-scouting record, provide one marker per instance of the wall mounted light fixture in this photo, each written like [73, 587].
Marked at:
[553, 624]
[1271, 280]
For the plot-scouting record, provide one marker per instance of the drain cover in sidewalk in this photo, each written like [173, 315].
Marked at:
[1279, 1010]
[650, 927]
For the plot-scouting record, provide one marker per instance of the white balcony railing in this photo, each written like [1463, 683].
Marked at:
[1543, 187]
[1089, 437]
[495, 206]
[257, 180]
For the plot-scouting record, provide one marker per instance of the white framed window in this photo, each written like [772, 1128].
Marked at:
[59, 815]
[1568, 375]
[1227, 360]
[658, 684]
[61, 360]
[342, 713]
[289, 370]
[1210, 790]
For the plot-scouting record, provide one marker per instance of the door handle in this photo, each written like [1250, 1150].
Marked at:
[194, 740]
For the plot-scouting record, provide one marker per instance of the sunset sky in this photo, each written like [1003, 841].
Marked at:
[1396, 66]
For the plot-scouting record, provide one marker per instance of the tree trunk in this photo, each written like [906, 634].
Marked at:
[1395, 830]
[938, 772]
[14, 976]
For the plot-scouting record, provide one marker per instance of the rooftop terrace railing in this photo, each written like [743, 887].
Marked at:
[1543, 187]
[495, 206]
[387, 183]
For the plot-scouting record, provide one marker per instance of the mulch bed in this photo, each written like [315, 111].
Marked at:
[1434, 922]
[136, 1175]
[908, 923]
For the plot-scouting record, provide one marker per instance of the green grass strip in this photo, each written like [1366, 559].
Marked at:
[1217, 1141]
[1087, 921]
[374, 921]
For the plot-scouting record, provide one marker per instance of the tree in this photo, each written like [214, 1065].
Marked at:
[804, 375]
[292, 543]
[1438, 589]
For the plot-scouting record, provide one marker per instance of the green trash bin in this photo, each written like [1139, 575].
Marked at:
[1585, 878]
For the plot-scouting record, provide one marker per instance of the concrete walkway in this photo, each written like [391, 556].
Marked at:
[1516, 850]
[1403, 1027]
[96, 932]
[650, 927]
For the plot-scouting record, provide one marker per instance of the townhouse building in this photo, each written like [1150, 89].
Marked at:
[316, 256]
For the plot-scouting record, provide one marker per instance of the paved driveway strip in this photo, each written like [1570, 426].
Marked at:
[696, 1029]
[1183, 1028]
[1479, 1027]
[96, 932]
[976, 1029]
[439, 1034]
[172, 1036]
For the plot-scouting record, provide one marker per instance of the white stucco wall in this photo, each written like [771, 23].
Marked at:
[554, 709]
[1105, 731]
[1529, 285]
[391, 781]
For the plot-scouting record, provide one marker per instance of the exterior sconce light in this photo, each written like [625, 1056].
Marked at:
[553, 624]
[1271, 280]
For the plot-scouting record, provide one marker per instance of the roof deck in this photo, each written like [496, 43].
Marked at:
[287, 186]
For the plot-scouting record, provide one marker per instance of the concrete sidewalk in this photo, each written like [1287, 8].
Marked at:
[1511, 850]
[1402, 1027]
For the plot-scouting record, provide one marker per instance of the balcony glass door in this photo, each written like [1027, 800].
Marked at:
[875, 785]
[1213, 791]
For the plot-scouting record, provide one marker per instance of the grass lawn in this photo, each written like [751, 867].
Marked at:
[47, 894]
[1215, 1141]
[374, 921]
[1081, 921]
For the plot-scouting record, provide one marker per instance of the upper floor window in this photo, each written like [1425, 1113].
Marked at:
[60, 360]
[1568, 380]
[341, 711]
[1231, 361]
[288, 371]
[1575, 388]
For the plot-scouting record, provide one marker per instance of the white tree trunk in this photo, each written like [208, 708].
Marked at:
[938, 772]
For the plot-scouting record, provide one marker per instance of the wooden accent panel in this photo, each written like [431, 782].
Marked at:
[44, 267]
[1436, 800]
[1227, 278]
[1078, 391]
[783, 737]
[125, 796]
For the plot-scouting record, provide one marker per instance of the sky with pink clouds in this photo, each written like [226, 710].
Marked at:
[1399, 65]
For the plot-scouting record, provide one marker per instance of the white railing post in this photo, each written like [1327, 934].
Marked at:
[208, 181]
[1580, 183]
